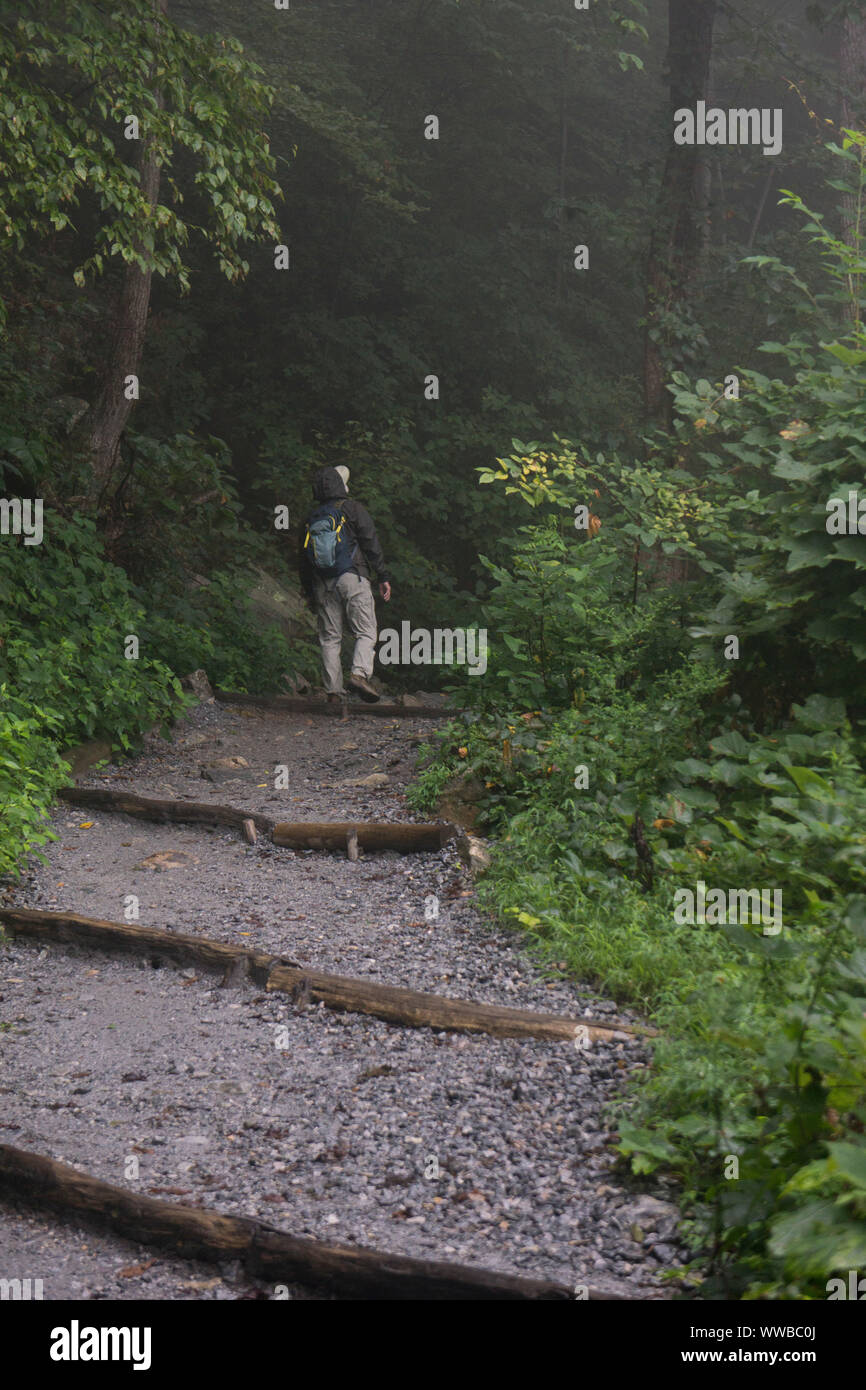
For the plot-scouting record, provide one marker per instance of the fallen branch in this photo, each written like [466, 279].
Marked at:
[266, 1252]
[406, 1007]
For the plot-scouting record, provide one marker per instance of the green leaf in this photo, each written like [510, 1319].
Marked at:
[850, 1161]
[732, 743]
[812, 551]
[732, 827]
[696, 797]
[809, 782]
[853, 357]
[692, 767]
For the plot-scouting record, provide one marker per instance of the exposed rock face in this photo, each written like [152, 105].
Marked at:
[266, 602]
[270, 602]
[474, 854]
[294, 684]
[199, 684]
[459, 800]
[84, 755]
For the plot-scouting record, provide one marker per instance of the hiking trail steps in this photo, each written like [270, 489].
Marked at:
[441, 1102]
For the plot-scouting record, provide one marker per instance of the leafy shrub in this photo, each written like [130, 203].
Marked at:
[65, 614]
[742, 775]
[31, 770]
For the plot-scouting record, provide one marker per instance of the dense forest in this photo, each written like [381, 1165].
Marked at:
[601, 386]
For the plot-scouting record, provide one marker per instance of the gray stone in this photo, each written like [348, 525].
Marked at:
[649, 1213]
[474, 854]
[459, 800]
[198, 683]
[270, 604]
[371, 781]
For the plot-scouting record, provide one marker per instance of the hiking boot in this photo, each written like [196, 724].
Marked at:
[364, 688]
[336, 698]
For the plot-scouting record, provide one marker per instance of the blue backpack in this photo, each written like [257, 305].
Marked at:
[329, 542]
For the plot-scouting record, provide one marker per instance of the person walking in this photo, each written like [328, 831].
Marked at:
[339, 549]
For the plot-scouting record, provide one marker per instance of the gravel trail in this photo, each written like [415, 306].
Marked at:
[481, 1150]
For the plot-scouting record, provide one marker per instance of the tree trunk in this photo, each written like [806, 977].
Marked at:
[852, 75]
[126, 336]
[679, 232]
[563, 156]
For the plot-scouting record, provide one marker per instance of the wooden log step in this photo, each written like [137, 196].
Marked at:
[371, 1274]
[127, 938]
[42, 1182]
[407, 1008]
[403, 837]
[406, 838]
[267, 1253]
[291, 704]
[414, 1009]
[150, 808]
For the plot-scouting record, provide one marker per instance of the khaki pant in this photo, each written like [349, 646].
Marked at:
[349, 597]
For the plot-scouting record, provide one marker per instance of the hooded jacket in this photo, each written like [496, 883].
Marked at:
[328, 486]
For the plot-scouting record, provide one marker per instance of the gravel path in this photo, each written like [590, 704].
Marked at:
[486, 1151]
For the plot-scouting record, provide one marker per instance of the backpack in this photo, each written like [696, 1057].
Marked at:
[330, 545]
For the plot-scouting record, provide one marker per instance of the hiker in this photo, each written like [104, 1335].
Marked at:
[339, 549]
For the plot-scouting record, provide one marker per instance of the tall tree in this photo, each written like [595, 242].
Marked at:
[678, 235]
[73, 77]
[852, 77]
[113, 406]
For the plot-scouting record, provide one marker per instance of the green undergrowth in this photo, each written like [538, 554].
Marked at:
[68, 672]
[673, 714]
[755, 1099]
